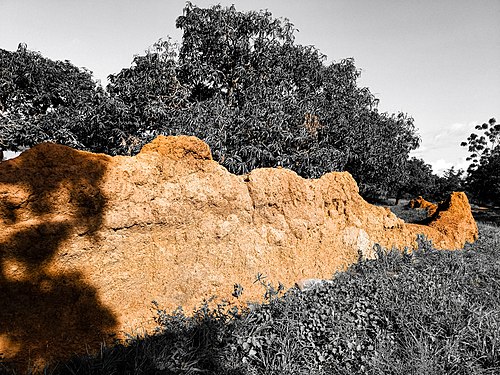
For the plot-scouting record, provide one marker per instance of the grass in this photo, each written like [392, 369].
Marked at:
[409, 215]
[402, 210]
[429, 312]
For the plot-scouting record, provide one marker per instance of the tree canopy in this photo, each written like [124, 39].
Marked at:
[53, 101]
[240, 82]
[237, 80]
[483, 179]
[32, 90]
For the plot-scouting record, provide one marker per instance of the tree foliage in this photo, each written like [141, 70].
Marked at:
[150, 88]
[241, 83]
[483, 179]
[32, 89]
[418, 180]
[451, 180]
[238, 81]
[43, 100]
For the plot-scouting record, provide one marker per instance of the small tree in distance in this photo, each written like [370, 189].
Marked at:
[483, 179]
[417, 180]
[452, 180]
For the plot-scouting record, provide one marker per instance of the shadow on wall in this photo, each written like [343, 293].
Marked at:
[48, 313]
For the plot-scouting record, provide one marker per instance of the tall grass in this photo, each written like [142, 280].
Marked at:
[429, 312]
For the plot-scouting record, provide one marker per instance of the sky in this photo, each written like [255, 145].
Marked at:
[436, 60]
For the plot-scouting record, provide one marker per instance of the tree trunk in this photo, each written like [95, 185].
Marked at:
[398, 197]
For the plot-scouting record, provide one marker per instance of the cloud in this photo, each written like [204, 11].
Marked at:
[452, 134]
[419, 153]
[439, 166]
[441, 148]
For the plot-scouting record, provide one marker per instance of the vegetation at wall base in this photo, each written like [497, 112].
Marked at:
[409, 215]
[432, 312]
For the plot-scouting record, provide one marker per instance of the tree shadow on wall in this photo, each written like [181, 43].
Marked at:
[47, 312]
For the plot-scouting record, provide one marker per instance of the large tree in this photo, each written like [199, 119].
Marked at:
[242, 84]
[239, 81]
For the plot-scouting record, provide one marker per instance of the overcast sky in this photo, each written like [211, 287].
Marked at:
[437, 60]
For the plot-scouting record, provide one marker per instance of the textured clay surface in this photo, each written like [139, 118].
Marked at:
[420, 202]
[88, 241]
